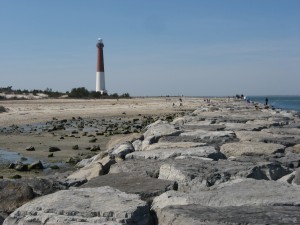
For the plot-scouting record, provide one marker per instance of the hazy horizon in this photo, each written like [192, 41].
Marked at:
[153, 48]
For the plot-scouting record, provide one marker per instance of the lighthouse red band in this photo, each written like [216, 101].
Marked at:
[100, 76]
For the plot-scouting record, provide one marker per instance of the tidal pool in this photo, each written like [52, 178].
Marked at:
[7, 157]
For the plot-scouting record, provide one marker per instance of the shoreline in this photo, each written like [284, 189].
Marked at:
[35, 111]
[29, 123]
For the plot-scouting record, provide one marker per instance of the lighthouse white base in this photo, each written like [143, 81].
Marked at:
[100, 82]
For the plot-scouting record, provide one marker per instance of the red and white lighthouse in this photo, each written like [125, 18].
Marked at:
[100, 78]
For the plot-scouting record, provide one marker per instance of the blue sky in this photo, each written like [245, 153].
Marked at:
[153, 47]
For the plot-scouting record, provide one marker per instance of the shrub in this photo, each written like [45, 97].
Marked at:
[80, 92]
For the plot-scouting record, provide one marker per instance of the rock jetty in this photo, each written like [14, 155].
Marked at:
[227, 162]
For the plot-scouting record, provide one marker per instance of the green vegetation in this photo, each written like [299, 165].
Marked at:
[80, 92]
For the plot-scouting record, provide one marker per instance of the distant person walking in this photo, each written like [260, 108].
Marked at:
[267, 101]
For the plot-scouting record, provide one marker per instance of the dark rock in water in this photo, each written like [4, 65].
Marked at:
[11, 166]
[23, 158]
[54, 149]
[38, 165]
[146, 187]
[30, 148]
[21, 167]
[75, 147]
[52, 129]
[54, 167]
[51, 155]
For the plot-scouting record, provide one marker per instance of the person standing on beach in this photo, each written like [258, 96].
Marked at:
[267, 101]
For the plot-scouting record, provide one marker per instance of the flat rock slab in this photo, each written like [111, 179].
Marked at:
[196, 126]
[84, 206]
[196, 175]
[250, 148]
[146, 187]
[244, 126]
[283, 130]
[200, 215]
[205, 151]
[261, 136]
[236, 193]
[160, 128]
[266, 123]
[168, 145]
[204, 134]
[138, 167]
[293, 125]
[210, 137]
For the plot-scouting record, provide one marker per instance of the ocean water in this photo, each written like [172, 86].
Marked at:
[280, 102]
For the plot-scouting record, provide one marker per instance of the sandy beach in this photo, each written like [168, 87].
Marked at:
[34, 111]
[27, 112]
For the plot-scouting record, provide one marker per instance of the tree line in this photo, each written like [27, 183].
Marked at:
[80, 92]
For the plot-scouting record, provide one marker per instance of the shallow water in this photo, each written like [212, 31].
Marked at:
[281, 102]
[7, 157]
[10, 157]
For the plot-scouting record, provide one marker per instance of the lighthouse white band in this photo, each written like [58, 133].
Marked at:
[100, 82]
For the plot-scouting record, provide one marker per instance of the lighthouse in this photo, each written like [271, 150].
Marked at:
[100, 79]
